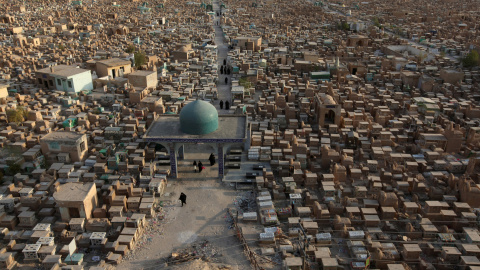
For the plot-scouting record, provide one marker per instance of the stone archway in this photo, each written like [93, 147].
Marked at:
[187, 153]
[161, 156]
[159, 147]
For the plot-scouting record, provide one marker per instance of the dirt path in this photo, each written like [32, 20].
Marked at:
[202, 218]
[224, 90]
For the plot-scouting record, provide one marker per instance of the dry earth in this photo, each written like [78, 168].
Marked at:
[204, 217]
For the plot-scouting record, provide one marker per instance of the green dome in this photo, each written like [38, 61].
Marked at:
[198, 118]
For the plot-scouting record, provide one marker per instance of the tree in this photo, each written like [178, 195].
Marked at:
[17, 115]
[44, 164]
[14, 168]
[344, 26]
[130, 48]
[376, 22]
[245, 82]
[471, 60]
[421, 57]
[140, 58]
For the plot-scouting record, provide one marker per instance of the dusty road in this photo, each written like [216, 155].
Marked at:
[202, 218]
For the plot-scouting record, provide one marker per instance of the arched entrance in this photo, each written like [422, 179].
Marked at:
[186, 154]
[330, 117]
[161, 156]
[194, 135]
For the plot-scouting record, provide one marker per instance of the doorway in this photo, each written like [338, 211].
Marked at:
[329, 117]
[196, 152]
[73, 212]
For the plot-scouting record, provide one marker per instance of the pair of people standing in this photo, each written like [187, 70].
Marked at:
[200, 165]
[227, 105]
[225, 70]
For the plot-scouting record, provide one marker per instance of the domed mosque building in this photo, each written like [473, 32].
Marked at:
[199, 122]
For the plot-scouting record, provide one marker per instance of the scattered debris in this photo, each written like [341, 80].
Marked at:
[200, 250]
[245, 202]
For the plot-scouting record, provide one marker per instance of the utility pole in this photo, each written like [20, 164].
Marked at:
[305, 243]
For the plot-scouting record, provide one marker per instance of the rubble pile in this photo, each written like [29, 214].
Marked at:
[197, 251]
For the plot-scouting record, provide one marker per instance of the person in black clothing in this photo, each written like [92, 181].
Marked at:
[221, 104]
[224, 61]
[227, 105]
[226, 80]
[212, 159]
[183, 198]
[221, 71]
[200, 166]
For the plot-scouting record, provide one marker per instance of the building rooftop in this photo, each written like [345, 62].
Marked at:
[142, 73]
[63, 70]
[114, 62]
[62, 135]
[167, 127]
[74, 192]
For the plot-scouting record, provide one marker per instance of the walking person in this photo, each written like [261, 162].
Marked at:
[224, 61]
[221, 104]
[221, 71]
[183, 198]
[212, 159]
[227, 105]
[195, 165]
[200, 166]
[226, 80]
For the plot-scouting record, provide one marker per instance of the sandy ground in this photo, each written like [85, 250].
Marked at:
[204, 217]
